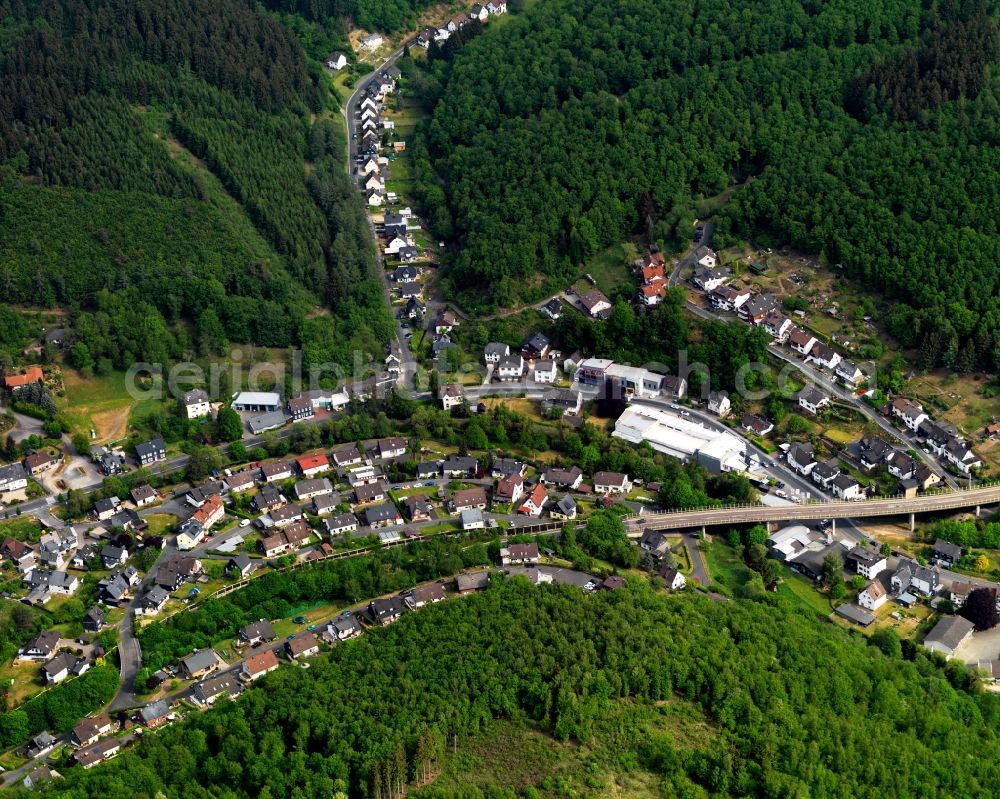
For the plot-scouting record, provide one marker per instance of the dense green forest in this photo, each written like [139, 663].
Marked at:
[161, 256]
[863, 132]
[795, 707]
[382, 15]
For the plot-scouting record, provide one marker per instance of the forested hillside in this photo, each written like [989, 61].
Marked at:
[866, 132]
[234, 240]
[795, 707]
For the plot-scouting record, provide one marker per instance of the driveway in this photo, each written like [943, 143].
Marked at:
[699, 571]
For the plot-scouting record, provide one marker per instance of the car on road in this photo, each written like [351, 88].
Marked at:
[781, 484]
[685, 413]
[311, 628]
[290, 636]
[675, 407]
[429, 484]
[244, 522]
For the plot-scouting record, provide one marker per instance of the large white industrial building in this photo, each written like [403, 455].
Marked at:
[682, 438]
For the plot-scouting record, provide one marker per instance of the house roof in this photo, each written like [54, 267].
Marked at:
[303, 642]
[950, 632]
[32, 375]
[261, 662]
[199, 660]
[592, 299]
[153, 712]
[609, 478]
[952, 551]
[307, 462]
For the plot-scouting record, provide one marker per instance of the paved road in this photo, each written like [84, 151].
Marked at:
[826, 383]
[699, 571]
[837, 509]
[688, 258]
[408, 364]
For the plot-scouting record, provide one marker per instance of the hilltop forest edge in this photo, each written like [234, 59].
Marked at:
[866, 134]
[790, 706]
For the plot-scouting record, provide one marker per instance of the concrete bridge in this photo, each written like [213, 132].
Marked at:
[974, 498]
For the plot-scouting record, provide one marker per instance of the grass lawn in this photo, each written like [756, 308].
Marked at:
[725, 566]
[609, 267]
[26, 529]
[22, 678]
[159, 523]
[801, 590]
[99, 403]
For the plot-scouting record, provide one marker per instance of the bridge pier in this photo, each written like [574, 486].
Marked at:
[913, 522]
[977, 511]
[833, 526]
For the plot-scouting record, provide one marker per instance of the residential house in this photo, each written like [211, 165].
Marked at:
[428, 470]
[460, 466]
[284, 515]
[153, 602]
[266, 421]
[199, 663]
[196, 404]
[756, 308]
[728, 298]
[910, 413]
[946, 554]
[510, 367]
[959, 592]
[802, 341]
[509, 489]
[371, 492]
[536, 346]
[596, 304]
[268, 498]
[300, 408]
[926, 581]
[801, 458]
[94, 620]
[824, 473]
[417, 508]
[534, 503]
[88, 730]
[143, 495]
[385, 515]
[152, 451]
[311, 465]
[519, 554]
[154, 715]
[848, 373]
[37, 462]
[256, 666]
[873, 596]
[611, 483]
[386, 611]
[777, 325]
[452, 396]
[709, 278]
[475, 581]
[563, 509]
[565, 400]
[812, 400]
[208, 691]
[472, 520]
[58, 668]
[846, 487]
[347, 456]
[494, 352]
[427, 594]
[959, 455]
[310, 489]
[866, 561]
[341, 525]
[563, 478]
[304, 645]
[719, 403]
[825, 356]
[105, 508]
[593, 371]
[275, 471]
[756, 424]
[240, 566]
[468, 498]
[336, 61]
[14, 383]
[872, 452]
[391, 448]
[445, 322]
[503, 467]
[553, 308]
[345, 626]
[655, 543]
[545, 371]
[240, 481]
[113, 557]
[901, 465]
[673, 578]
[258, 632]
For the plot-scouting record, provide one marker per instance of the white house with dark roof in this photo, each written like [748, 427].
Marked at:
[812, 400]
